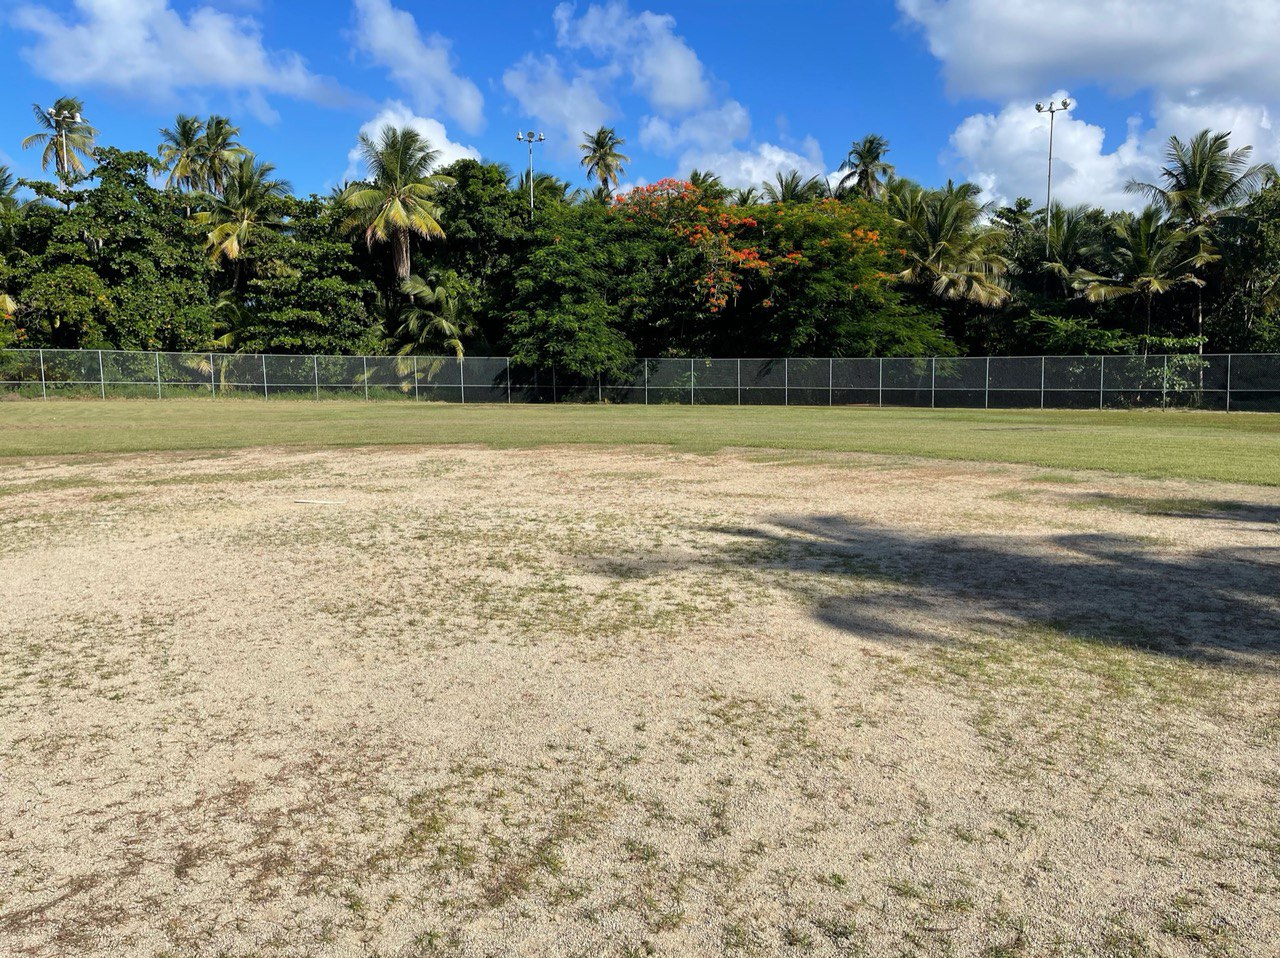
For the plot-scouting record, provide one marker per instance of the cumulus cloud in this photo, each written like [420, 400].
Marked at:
[662, 66]
[422, 66]
[146, 48]
[397, 113]
[1202, 65]
[566, 106]
[1001, 50]
[606, 45]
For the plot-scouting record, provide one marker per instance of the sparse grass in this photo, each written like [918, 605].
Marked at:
[1192, 445]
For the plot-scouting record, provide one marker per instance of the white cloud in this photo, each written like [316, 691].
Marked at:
[1203, 65]
[423, 67]
[686, 121]
[662, 66]
[565, 106]
[1002, 50]
[756, 164]
[396, 113]
[145, 48]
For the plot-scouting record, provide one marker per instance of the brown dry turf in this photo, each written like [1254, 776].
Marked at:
[630, 702]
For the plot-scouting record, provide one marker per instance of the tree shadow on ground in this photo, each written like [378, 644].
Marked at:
[899, 586]
[1220, 510]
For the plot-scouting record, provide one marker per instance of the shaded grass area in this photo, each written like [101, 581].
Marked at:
[1186, 445]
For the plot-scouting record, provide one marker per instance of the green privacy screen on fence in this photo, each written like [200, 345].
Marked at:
[1241, 382]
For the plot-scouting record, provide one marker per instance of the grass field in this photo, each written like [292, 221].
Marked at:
[287, 680]
[1232, 448]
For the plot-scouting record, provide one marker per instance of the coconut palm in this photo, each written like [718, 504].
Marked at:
[792, 187]
[946, 247]
[1073, 238]
[709, 184]
[180, 151]
[217, 152]
[601, 157]
[398, 201]
[547, 189]
[8, 191]
[1152, 256]
[245, 207]
[746, 196]
[865, 165]
[1204, 184]
[67, 139]
[434, 318]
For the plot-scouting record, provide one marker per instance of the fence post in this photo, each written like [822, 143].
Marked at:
[213, 383]
[831, 377]
[739, 362]
[1228, 382]
[933, 382]
[1102, 378]
[263, 357]
[462, 378]
[880, 395]
[102, 376]
[986, 390]
[1042, 382]
[599, 388]
[691, 382]
[646, 381]
[315, 368]
[553, 385]
[364, 362]
[508, 379]
[158, 393]
[1164, 384]
[786, 382]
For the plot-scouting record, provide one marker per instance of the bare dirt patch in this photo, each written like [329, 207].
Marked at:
[584, 702]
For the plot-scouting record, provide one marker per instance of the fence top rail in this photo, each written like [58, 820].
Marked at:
[679, 359]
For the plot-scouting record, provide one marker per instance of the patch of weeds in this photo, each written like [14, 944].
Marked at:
[834, 880]
[904, 888]
[796, 937]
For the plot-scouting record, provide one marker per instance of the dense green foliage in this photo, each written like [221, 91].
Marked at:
[204, 247]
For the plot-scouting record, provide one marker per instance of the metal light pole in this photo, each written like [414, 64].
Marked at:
[60, 121]
[531, 138]
[1052, 108]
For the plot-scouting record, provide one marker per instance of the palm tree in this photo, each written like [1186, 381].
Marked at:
[709, 184]
[8, 191]
[218, 151]
[398, 200]
[865, 165]
[67, 139]
[1072, 240]
[1152, 257]
[245, 207]
[746, 196]
[547, 189]
[792, 187]
[180, 152]
[1203, 184]
[434, 317]
[946, 247]
[601, 157]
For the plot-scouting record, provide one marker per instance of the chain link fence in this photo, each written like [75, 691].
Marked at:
[1220, 382]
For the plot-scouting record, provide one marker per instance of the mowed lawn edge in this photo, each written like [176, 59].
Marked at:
[1228, 447]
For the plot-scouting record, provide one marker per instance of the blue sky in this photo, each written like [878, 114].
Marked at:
[745, 87]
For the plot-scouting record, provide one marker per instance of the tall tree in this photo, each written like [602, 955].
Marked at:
[180, 151]
[246, 206]
[946, 247]
[399, 199]
[865, 166]
[1204, 183]
[217, 154]
[710, 185]
[1152, 256]
[602, 158]
[67, 139]
[792, 187]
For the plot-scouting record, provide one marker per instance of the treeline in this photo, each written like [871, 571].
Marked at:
[200, 246]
